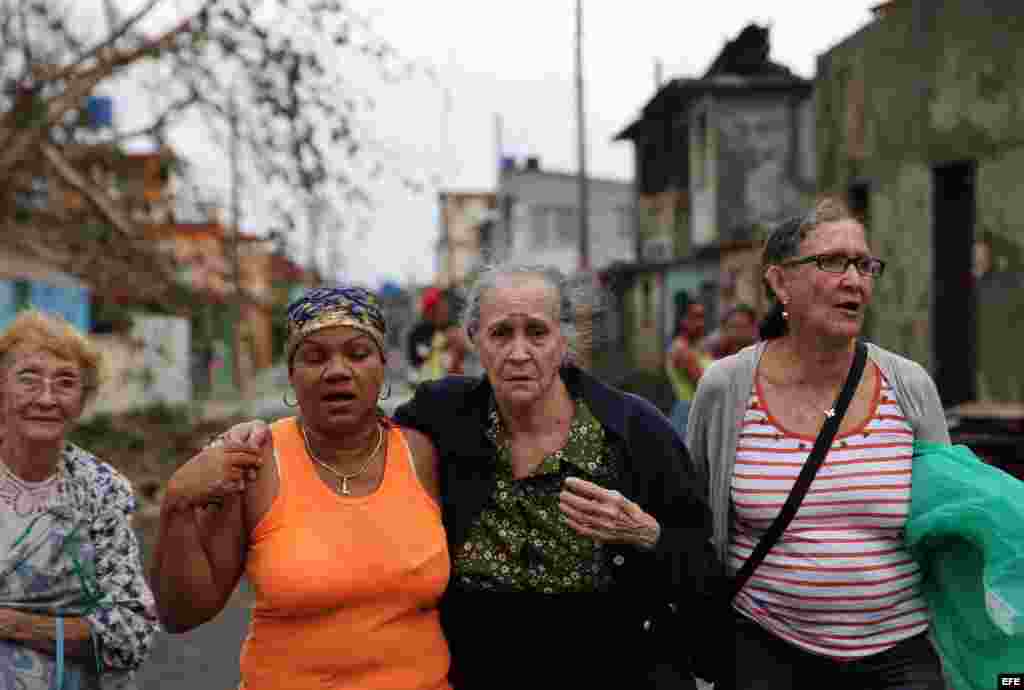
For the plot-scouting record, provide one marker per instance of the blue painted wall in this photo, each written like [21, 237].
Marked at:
[69, 301]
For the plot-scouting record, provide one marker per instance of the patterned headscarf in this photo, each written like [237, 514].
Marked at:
[327, 307]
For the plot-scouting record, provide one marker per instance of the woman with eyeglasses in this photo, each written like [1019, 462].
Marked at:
[75, 609]
[836, 602]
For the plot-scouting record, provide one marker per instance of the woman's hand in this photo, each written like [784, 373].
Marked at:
[255, 434]
[216, 472]
[606, 516]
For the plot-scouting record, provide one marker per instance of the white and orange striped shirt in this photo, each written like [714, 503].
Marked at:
[839, 582]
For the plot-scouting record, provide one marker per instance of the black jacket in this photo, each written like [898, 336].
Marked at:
[636, 618]
[421, 334]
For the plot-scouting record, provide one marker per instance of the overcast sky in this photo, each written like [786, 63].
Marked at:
[517, 60]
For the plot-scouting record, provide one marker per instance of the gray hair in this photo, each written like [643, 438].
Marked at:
[784, 243]
[570, 297]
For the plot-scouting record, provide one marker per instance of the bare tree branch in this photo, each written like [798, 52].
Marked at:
[303, 124]
[110, 40]
[101, 201]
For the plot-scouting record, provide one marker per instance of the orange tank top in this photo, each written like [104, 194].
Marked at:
[346, 587]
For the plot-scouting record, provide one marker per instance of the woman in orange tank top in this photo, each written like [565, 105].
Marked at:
[337, 525]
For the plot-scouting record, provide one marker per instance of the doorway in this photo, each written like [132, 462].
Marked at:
[954, 316]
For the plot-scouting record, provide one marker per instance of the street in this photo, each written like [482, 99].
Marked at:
[206, 657]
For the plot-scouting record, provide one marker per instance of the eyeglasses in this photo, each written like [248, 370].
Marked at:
[867, 266]
[34, 384]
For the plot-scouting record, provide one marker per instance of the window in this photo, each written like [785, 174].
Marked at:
[566, 225]
[540, 230]
[648, 306]
[859, 198]
[35, 197]
[699, 152]
[625, 214]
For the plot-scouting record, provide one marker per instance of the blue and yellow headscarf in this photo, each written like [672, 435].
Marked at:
[328, 307]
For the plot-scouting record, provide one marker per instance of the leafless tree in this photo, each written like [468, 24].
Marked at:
[298, 69]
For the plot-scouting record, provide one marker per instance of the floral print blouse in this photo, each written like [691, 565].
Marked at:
[521, 542]
[78, 556]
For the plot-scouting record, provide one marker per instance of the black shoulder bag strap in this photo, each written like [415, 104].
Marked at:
[810, 468]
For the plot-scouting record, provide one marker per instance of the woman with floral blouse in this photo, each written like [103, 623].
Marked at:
[574, 520]
[75, 610]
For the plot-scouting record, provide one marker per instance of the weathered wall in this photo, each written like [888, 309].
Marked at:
[902, 296]
[703, 153]
[758, 182]
[1001, 289]
[931, 83]
[664, 225]
[150, 366]
[739, 280]
[644, 323]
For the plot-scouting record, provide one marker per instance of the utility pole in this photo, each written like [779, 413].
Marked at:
[502, 224]
[236, 269]
[314, 216]
[581, 142]
[584, 317]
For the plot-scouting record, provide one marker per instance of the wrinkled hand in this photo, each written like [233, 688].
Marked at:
[214, 473]
[254, 434]
[606, 516]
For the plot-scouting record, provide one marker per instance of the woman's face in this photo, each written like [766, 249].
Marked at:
[694, 322]
[520, 342]
[337, 374]
[43, 394]
[740, 329]
[831, 305]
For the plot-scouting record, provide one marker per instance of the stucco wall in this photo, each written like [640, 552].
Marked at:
[901, 234]
[752, 164]
[643, 304]
[703, 173]
[1001, 290]
[757, 162]
[931, 83]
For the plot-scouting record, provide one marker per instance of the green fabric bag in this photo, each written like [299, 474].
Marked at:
[966, 531]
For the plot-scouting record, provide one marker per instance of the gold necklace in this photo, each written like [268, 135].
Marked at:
[342, 477]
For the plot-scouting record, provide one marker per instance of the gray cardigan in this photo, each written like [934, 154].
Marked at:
[721, 401]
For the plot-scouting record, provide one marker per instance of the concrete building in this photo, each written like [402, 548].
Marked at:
[720, 159]
[723, 156]
[466, 234]
[919, 121]
[539, 218]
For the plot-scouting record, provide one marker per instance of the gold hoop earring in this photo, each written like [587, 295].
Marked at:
[785, 314]
[284, 399]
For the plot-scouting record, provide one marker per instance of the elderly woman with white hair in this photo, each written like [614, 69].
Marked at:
[574, 520]
[75, 610]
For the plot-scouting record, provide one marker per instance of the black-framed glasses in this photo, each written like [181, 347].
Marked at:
[868, 266]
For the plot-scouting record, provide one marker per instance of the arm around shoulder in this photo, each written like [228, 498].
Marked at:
[201, 547]
[414, 413]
